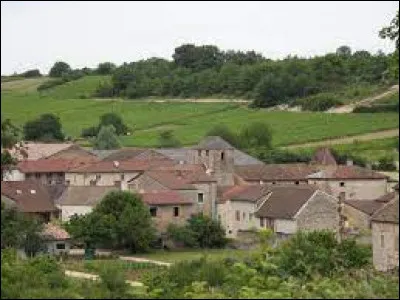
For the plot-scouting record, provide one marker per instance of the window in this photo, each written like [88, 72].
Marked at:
[244, 216]
[273, 182]
[207, 152]
[199, 152]
[48, 175]
[67, 182]
[261, 222]
[219, 217]
[200, 198]
[122, 177]
[92, 182]
[60, 246]
[342, 183]
[176, 211]
[222, 155]
[237, 215]
[37, 175]
[250, 216]
[117, 183]
[98, 176]
[297, 182]
[153, 211]
[382, 240]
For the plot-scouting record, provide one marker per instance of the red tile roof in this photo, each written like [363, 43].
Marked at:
[50, 165]
[164, 198]
[30, 195]
[171, 180]
[347, 172]
[54, 233]
[122, 166]
[244, 192]
[275, 172]
[324, 156]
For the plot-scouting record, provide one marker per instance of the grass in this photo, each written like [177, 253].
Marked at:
[190, 121]
[391, 99]
[133, 270]
[186, 255]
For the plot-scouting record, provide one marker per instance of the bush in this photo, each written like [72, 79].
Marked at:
[90, 131]
[50, 83]
[318, 102]
[256, 135]
[45, 128]
[105, 90]
[378, 108]
[278, 156]
[168, 140]
[385, 164]
[31, 73]
[225, 133]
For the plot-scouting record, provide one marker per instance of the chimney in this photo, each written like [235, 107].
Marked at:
[116, 163]
[349, 162]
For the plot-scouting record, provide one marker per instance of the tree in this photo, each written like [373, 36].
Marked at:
[168, 140]
[32, 73]
[270, 91]
[114, 120]
[106, 139]
[9, 139]
[225, 133]
[120, 220]
[256, 135]
[105, 68]
[344, 51]
[392, 31]
[59, 69]
[46, 128]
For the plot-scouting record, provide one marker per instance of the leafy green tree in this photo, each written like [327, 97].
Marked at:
[256, 135]
[32, 73]
[270, 91]
[225, 133]
[106, 139]
[208, 232]
[114, 120]
[392, 31]
[344, 51]
[45, 128]
[120, 220]
[105, 68]
[59, 69]
[168, 140]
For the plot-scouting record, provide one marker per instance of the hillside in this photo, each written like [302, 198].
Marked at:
[190, 121]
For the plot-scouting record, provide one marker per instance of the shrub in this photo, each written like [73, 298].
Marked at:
[31, 73]
[255, 135]
[51, 83]
[318, 102]
[225, 133]
[168, 140]
[379, 108]
[90, 131]
[385, 163]
[105, 90]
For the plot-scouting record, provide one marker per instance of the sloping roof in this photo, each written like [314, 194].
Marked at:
[84, 195]
[41, 150]
[389, 213]
[122, 166]
[30, 196]
[324, 156]
[171, 180]
[285, 201]
[366, 206]
[244, 192]
[213, 143]
[241, 158]
[55, 190]
[50, 165]
[125, 154]
[192, 173]
[164, 198]
[275, 172]
[177, 154]
[102, 154]
[347, 172]
[54, 233]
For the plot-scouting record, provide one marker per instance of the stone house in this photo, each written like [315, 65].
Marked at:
[358, 212]
[385, 236]
[283, 208]
[289, 209]
[30, 197]
[56, 239]
[356, 182]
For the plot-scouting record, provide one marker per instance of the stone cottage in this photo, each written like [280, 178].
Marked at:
[385, 236]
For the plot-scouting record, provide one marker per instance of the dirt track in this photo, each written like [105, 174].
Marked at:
[349, 139]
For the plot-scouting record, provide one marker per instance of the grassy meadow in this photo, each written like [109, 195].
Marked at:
[190, 121]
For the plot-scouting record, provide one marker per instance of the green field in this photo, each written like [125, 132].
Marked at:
[190, 121]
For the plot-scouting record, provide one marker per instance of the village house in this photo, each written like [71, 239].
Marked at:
[385, 236]
[30, 197]
[57, 241]
[283, 208]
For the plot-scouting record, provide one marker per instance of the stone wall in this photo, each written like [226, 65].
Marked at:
[356, 218]
[385, 245]
[319, 213]
[106, 179]
[165, 216]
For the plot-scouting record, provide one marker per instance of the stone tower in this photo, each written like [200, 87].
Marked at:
[217, 155]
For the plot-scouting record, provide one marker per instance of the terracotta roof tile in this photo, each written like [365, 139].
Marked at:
[275, 172]
[245, 192]
[30, 195]
[50, 165]
[84, 195]
[324, 156]
[164, 198]
[171, 180]
[54, 233]
[347, 172]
